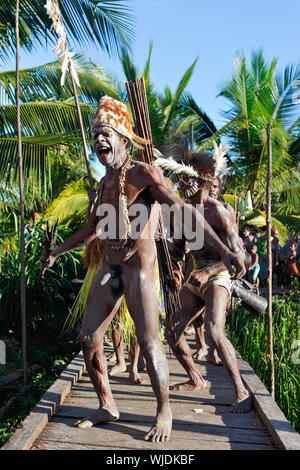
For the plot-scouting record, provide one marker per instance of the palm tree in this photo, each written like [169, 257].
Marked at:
[106, 23]
[51, 143]
[164, 108]
[259, 94]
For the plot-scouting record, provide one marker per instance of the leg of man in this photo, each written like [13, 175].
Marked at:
[134, 353]
[118, 342]
[216, 298]
[201, 347]
[142, 302]
[190, 308]
[102, 304]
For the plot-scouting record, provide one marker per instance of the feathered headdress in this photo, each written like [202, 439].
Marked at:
[173, 166]
[114, 114]
[199, 167]
[220, 162]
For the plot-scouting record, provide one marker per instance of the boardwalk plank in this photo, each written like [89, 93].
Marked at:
[118, 433]
[215, 428]
[143, 412]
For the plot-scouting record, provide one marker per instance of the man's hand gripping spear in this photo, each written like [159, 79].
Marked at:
[47, 260]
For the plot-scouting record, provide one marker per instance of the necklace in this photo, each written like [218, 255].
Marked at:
[123, 198]
[118, 245]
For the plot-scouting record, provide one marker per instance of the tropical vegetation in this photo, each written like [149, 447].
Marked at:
[55, 185]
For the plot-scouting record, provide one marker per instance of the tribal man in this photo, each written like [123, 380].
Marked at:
[208, 285]
[127, 266]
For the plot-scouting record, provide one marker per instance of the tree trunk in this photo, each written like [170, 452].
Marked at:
[269, 264]
[22, 234]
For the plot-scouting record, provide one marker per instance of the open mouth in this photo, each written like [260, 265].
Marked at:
[103, 150]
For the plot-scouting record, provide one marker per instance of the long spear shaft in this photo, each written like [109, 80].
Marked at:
[22, 234]
[86, 157]
[269, 264]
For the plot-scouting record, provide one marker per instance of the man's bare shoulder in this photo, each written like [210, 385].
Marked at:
[215, 205]
[148, 172]
[218, 211]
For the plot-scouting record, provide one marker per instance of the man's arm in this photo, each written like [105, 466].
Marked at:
[162, 193]
[85, 235]
[228, 234]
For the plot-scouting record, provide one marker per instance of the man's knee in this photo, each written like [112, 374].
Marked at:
[150, 348]
[215, 332]
[89, 340]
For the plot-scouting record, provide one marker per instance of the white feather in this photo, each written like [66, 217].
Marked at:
[176, 168]
[61, 48]
[220, 162]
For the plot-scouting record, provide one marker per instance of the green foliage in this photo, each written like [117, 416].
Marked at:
[258, 94]
[48, 303]
[249, 336]
[106, 23]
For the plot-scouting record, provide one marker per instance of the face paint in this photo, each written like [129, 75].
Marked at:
[109, 146]
[188, 187]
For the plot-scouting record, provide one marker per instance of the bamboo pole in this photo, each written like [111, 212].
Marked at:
[21, 192]
[138, 102]
[269, 264]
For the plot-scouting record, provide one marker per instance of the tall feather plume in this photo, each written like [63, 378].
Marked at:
[173, 166]
[61, 48]
[220, 166]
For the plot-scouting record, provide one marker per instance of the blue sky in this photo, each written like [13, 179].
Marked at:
[213, 31]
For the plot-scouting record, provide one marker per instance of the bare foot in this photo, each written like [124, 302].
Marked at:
[242, 406]
[100, 416]
[189, 386]
[117, 369]
[200, 353]
[161, 429]
[135, 378]
[213, 358]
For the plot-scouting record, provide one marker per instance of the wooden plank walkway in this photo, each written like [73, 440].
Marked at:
[201, 419]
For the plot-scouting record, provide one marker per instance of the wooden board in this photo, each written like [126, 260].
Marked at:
[120, 435]
[214, 428]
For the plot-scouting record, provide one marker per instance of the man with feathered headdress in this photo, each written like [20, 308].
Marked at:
[209, 283]
[129, 253]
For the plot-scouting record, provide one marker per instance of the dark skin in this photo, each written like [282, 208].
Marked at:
[129, 272]
[215, 301]
[134, 353]
[212, 356]
[198, 323]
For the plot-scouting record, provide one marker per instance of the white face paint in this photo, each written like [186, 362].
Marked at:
[187, 187]
[109, 146]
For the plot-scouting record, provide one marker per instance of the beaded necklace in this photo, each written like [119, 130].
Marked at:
[123, 198]
[122, 179]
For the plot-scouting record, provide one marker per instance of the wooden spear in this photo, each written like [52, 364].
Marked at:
[65, 57]
[85, 152]
[269, 264]
[22, 228]
[191, 137]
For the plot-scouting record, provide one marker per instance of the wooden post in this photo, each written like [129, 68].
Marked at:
[269, 264]
[86, 157]
[191, 137]
[22, 234]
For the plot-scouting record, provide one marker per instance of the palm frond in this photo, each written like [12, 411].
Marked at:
[106, 23]
[71, 204]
